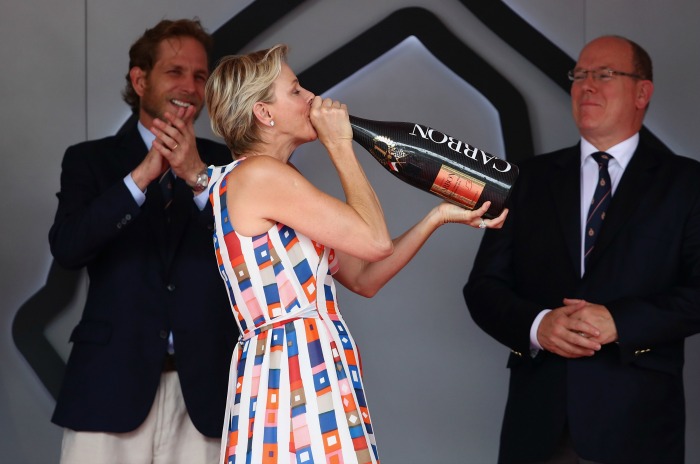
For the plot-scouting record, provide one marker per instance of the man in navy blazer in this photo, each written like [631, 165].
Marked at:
[596, 363]
[148, 370]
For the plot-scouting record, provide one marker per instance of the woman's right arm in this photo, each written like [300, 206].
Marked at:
[331, 121]
[264, 190]
[269, 190]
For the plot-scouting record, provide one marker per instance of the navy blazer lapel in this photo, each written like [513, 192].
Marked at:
[154, 207]
[630, 193]
[181, 210]
[566, 192]
[132, 151]
[131, 147]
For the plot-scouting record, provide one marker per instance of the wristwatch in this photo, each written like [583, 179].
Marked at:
[201, 183]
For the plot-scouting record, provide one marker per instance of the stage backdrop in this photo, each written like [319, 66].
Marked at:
[488, 72]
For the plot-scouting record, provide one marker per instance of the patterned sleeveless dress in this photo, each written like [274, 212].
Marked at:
[295, 390]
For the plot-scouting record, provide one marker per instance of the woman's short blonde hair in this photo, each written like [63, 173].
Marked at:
[237, 83]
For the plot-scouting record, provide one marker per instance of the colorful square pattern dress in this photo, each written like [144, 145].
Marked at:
[295, 390]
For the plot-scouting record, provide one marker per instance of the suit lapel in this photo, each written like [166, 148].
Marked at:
[131, 146]
[181, 209]
[566, 191]
[634, 186]
[133, 151]
[155, 210]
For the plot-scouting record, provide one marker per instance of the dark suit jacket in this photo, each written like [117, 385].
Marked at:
[625, 404]
[144, 281]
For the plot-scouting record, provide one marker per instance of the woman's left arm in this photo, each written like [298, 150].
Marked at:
[367, 278]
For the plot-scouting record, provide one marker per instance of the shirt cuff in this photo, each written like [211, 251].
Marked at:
[139, 196]
[534, 344]
[201, 199]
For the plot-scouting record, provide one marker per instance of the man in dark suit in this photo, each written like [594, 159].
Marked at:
[594, 280]
[147, 375]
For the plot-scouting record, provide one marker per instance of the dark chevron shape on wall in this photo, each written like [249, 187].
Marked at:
[238, 31]
[61, 287]
[444, 46]
[531, 44]
[32, 318]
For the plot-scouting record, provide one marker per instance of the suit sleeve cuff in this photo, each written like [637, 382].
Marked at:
[534, 344]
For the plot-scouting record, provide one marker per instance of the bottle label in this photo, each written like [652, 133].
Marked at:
[387, 153]
[457, 187]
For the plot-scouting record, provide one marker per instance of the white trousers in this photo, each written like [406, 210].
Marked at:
[166, 436]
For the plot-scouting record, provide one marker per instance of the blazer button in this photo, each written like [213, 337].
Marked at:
[163, 334]
[171, 287]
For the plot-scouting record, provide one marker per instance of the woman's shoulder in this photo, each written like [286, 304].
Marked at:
[261, 168]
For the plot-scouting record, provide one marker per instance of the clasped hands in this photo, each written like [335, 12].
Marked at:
[576, 329]
[174, 147]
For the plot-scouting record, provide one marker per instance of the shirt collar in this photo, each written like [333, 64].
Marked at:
[622, 152]
[147, 136]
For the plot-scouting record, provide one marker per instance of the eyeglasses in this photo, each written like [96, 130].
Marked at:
[599, 75]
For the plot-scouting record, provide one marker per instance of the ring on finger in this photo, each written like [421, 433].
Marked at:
[176, 145]
[482, 224]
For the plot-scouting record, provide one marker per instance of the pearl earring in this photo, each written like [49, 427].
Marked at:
[272, 123]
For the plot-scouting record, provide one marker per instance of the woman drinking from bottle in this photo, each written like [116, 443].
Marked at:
[295, 387]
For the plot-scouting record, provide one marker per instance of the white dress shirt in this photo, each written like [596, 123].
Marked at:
[622, 154]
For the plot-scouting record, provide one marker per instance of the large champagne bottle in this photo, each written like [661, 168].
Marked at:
[437, 163]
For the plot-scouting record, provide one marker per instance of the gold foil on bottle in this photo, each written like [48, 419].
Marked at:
[458, 187]
[387, 153]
